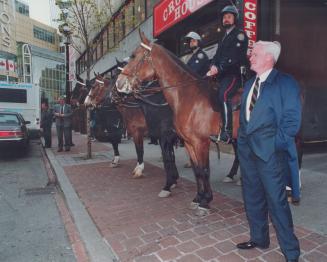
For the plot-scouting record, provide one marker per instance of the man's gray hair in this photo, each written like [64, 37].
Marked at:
[272, 48]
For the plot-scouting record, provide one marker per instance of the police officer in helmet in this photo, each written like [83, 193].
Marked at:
[226, 66]
[199, 61]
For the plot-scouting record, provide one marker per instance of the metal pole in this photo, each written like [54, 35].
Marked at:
[67, 72]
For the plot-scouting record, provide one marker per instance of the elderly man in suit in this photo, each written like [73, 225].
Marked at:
[270, 117]
[63, 113]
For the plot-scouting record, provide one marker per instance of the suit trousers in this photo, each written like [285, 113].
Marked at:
[47, 136]
[63, 132]
[264, 191]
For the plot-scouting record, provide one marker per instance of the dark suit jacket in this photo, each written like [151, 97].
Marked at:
[64, 121]
[276, 117]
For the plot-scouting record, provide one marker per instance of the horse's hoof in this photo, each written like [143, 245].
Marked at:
[137, 175]
[202, 212]
[114, 165]
[164, 193]
[193, 205]
[173, 186]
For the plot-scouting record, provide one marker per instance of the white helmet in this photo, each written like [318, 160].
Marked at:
[194, 36]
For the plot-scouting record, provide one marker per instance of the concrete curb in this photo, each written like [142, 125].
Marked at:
[98, 249]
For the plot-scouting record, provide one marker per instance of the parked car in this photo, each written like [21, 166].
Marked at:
[13, 130]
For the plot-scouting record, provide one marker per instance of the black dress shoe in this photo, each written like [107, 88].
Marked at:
[67, 149]
[249, 245]
[59, 150]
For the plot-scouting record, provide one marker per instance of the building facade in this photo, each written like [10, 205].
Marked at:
[29, 50]
[298, 25]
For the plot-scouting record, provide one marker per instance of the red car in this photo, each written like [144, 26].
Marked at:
[13, 130]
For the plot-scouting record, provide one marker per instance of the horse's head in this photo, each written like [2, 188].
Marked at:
[97, 92]
[78, 91]
[138, 69]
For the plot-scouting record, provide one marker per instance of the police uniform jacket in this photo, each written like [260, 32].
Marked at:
[231, 53]
[199, 62]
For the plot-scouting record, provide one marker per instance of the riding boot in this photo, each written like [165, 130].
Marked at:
[227, 128]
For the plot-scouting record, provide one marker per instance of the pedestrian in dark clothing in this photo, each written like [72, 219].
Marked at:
[46, 124]
[63, 113]
[226, 66]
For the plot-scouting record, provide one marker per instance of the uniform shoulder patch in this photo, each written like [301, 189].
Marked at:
[241, 36]
[200, 55]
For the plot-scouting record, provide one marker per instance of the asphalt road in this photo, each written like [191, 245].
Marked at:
[31, 229]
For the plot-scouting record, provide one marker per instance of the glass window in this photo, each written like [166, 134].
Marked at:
[111, 34]
[105, 40]
[43, 34]
[149, 6]
[129, 17]
[10, 95]
[99, 48]
[139, 11]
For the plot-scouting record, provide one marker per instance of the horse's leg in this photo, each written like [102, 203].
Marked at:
[115, 161]
[236, 163]
[168, 155]
[138, 142]
[199, 153]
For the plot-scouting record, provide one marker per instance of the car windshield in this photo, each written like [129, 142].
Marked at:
[8, 119]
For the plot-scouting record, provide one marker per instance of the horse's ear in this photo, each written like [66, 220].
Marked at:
[144, 38]
[117, 61]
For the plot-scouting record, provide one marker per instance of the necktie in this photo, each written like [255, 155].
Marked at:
[62, 110]
[254, 94]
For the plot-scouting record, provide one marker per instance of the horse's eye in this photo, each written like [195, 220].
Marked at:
[132, 56]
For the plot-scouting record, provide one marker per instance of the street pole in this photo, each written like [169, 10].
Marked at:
[67, 71]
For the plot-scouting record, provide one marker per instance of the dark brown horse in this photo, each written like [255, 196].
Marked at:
[161, 128]
[189, 99]
[132, 117]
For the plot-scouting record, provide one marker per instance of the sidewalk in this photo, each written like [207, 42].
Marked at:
[122, 219]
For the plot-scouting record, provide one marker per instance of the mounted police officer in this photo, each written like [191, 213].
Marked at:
[199, 61]
[226, 65]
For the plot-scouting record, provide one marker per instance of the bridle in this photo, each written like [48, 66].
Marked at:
[135, 75]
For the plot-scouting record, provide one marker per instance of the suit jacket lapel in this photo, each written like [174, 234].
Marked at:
[244, 98]
[262, 100]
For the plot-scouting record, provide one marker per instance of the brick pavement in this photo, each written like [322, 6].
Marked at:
[139, 226]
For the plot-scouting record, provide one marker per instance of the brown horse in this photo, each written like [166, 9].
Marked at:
[132, 117]
[189, 99]
[161, 128]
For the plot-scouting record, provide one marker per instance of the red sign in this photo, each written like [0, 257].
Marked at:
[250, 21]
[169, 12]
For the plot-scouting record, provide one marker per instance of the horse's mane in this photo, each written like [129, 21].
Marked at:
[206, 86]
[177, 60]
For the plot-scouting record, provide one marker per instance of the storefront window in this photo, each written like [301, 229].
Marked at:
[149, 6]
[105, 41]
[111, 35]
[139, 11]
[99, 48]
[129, 17]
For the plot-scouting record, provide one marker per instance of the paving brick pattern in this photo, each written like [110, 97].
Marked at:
[142, 227]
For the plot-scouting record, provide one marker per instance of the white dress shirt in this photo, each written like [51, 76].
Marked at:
[263, 78]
